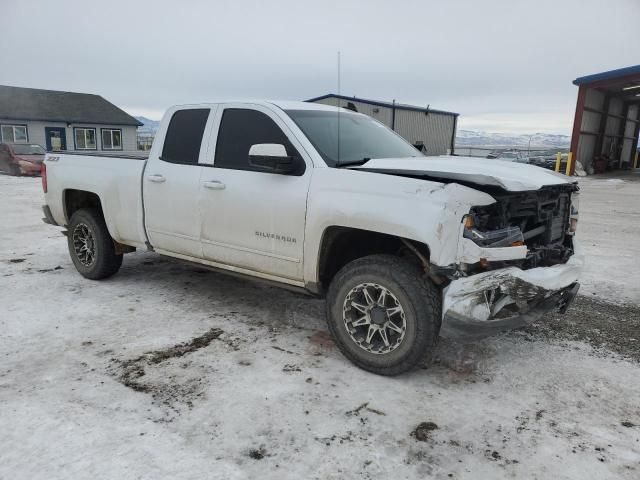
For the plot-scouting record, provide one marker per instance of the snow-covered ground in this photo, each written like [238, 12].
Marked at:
[262, 393]
[609, 229]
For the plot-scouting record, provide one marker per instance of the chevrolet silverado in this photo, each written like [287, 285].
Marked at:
[405, 248]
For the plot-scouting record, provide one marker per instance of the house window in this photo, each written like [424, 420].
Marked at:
[13, 133]
[111, 139]
[85, 138]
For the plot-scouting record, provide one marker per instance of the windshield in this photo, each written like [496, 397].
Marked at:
[361, 137]
[21, 149]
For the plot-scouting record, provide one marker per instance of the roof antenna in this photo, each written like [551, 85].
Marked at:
[339, 107]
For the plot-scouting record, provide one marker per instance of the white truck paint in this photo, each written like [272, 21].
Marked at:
[272, 226]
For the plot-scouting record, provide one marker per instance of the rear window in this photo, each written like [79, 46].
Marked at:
[184, 136]
[22, 149]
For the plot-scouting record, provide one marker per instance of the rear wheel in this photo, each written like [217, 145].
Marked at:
[14, 170]
[384, 315]
[90, 246]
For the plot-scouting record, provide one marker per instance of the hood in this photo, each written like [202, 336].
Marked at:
[511, 176]
[30, 158]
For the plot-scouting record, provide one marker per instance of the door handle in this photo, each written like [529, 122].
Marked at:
[214, 185]
[156, 178]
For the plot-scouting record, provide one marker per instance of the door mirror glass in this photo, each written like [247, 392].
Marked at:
[272, 158]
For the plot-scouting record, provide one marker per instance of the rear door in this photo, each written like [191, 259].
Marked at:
[171, 183]
[252, 219]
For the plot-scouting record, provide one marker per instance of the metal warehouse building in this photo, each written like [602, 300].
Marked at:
[432, 130]
[607, 119]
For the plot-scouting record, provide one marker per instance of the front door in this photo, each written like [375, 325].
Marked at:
[252, 219]
[56, 138]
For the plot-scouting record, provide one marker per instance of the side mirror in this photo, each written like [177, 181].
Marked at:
[272, 158]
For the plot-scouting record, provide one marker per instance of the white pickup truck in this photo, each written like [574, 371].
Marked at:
[404, 247]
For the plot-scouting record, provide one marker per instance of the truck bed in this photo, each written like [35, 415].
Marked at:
[115, 177]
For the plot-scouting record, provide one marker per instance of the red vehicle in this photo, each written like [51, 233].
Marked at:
[21, 158]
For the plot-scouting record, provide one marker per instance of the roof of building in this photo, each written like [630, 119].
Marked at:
[17, 103]
[609, 75]
[399, 106]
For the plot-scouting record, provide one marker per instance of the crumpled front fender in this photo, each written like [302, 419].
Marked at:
[485, 303]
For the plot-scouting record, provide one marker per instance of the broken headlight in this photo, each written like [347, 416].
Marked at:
[501, 237]
[573, 217]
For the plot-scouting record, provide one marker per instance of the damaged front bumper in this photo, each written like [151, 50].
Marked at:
[506, 298]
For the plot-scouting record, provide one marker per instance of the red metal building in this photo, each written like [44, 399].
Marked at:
[607, 119]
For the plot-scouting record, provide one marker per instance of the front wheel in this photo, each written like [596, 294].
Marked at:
[90, 246]
[384, 315]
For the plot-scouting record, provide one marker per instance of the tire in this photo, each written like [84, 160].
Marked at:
[14, 170]
[103, 263]
[413, 338]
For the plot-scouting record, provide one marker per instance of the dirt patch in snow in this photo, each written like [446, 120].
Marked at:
[45, 270]
[183, 348]
[133, 373]
[604, 325]
[257, 453]
[422, 432]
[365, 406]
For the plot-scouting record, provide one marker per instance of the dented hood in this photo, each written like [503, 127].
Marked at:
[510, 176]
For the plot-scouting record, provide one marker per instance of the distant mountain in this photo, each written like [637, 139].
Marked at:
[149, 126]
[472, 138]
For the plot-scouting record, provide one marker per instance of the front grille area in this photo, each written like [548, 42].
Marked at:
[560, 219]
[542, 216]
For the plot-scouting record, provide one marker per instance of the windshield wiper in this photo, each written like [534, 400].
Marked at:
[351, 163]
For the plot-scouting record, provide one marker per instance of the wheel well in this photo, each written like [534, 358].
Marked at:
[341, 245]
[74, 200]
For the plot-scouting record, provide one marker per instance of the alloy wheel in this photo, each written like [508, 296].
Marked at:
[374, 318]
[84, 244]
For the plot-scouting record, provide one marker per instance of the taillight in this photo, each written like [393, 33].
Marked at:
[43, 175]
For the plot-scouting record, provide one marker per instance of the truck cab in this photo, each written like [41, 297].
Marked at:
[228, 208]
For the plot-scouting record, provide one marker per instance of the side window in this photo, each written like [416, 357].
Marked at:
[240, 129]
[184, 136]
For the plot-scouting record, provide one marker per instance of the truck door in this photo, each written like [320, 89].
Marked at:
[170, 184]
[252, 219]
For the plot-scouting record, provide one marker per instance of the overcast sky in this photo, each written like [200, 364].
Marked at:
[504, 65]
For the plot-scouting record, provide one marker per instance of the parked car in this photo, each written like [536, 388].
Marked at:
[510, 156]
[549, 162]
[21, 158]
[405, 248]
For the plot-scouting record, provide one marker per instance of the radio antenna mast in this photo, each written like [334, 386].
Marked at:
[339, 106]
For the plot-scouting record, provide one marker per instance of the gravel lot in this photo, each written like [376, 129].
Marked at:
[167, 370]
